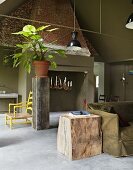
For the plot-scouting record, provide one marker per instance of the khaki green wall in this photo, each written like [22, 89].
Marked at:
[29, 81]
[8, 83]
[80, 70]
[99, 68]
[22, 83]
[113, 83]
[107, 83]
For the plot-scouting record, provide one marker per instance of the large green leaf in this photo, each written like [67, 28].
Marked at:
[29, 28]
[28, 68]
[42, 27]
[61, 52]
[44, 48]
[25, 47]
[53, 64]
[35, 37]
[18, 33]
[17, 55]
[53, 29]
[19, 45]
[16, 59]
[50, 56]
[27, 34]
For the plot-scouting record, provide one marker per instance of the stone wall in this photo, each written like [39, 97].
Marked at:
[52, 11]
[9, 25]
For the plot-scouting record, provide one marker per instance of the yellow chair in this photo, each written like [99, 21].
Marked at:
[10, 118]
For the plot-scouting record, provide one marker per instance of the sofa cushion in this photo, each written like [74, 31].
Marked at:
[122, 121]
[125, 109]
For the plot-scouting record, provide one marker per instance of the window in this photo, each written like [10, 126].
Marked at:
[97, 81]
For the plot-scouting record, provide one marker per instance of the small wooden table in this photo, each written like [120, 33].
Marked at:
[79, 136]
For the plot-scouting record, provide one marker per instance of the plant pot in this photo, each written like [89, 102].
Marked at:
[41, 68]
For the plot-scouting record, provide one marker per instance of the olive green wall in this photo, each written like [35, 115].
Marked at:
[107, 84]
[82, 89]
[99, 71]
[80, 70]
[22, 83]
[113, 81]
[8, 83]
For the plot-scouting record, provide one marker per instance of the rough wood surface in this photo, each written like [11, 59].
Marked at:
[40, 87]
[79, 136]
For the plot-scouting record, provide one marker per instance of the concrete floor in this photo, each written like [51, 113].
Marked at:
[23, 148]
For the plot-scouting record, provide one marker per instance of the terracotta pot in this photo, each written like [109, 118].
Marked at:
[41, 68]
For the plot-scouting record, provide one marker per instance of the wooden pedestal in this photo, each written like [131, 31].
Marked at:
[40, 87]
[79, 136]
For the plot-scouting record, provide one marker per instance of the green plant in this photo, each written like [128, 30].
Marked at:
[33, 48]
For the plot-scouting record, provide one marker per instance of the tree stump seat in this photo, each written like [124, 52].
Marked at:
[79, 136]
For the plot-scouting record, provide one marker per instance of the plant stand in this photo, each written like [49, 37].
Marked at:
[40, 87]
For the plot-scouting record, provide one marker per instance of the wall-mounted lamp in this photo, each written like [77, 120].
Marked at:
[74, 44]
[129, 23]
[123, 79]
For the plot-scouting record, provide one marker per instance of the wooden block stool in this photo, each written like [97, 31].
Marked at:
[79, 136]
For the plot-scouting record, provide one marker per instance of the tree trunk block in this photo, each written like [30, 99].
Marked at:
[79, 136]
[40, 87]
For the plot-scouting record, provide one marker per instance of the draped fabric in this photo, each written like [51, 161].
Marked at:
[117, 141]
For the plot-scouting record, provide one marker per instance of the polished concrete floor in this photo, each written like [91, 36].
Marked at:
[23, 148]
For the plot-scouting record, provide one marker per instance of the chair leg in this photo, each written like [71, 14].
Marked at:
[5, 120]
[32, 123]
[10, 123]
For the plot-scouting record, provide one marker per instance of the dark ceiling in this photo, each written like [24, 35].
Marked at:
[114, 42]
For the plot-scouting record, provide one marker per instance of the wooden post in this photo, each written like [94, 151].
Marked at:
[40, 87]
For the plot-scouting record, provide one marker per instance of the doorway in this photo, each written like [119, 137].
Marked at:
[99, 79]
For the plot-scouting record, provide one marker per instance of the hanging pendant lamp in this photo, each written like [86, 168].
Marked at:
[74, 44]
[129, 23]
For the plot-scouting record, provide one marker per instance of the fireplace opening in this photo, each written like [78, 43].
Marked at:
[67, 90]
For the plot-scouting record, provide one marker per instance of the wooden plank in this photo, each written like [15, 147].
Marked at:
[40, 103]
[64, 137]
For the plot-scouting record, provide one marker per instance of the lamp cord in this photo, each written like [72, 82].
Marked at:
[100, 10]
[74, 15]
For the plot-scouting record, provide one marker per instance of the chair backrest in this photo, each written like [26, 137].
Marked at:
[115, 98]
[29, 103]
[102, 97]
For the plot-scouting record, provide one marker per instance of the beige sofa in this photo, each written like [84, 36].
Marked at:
[117, 141]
